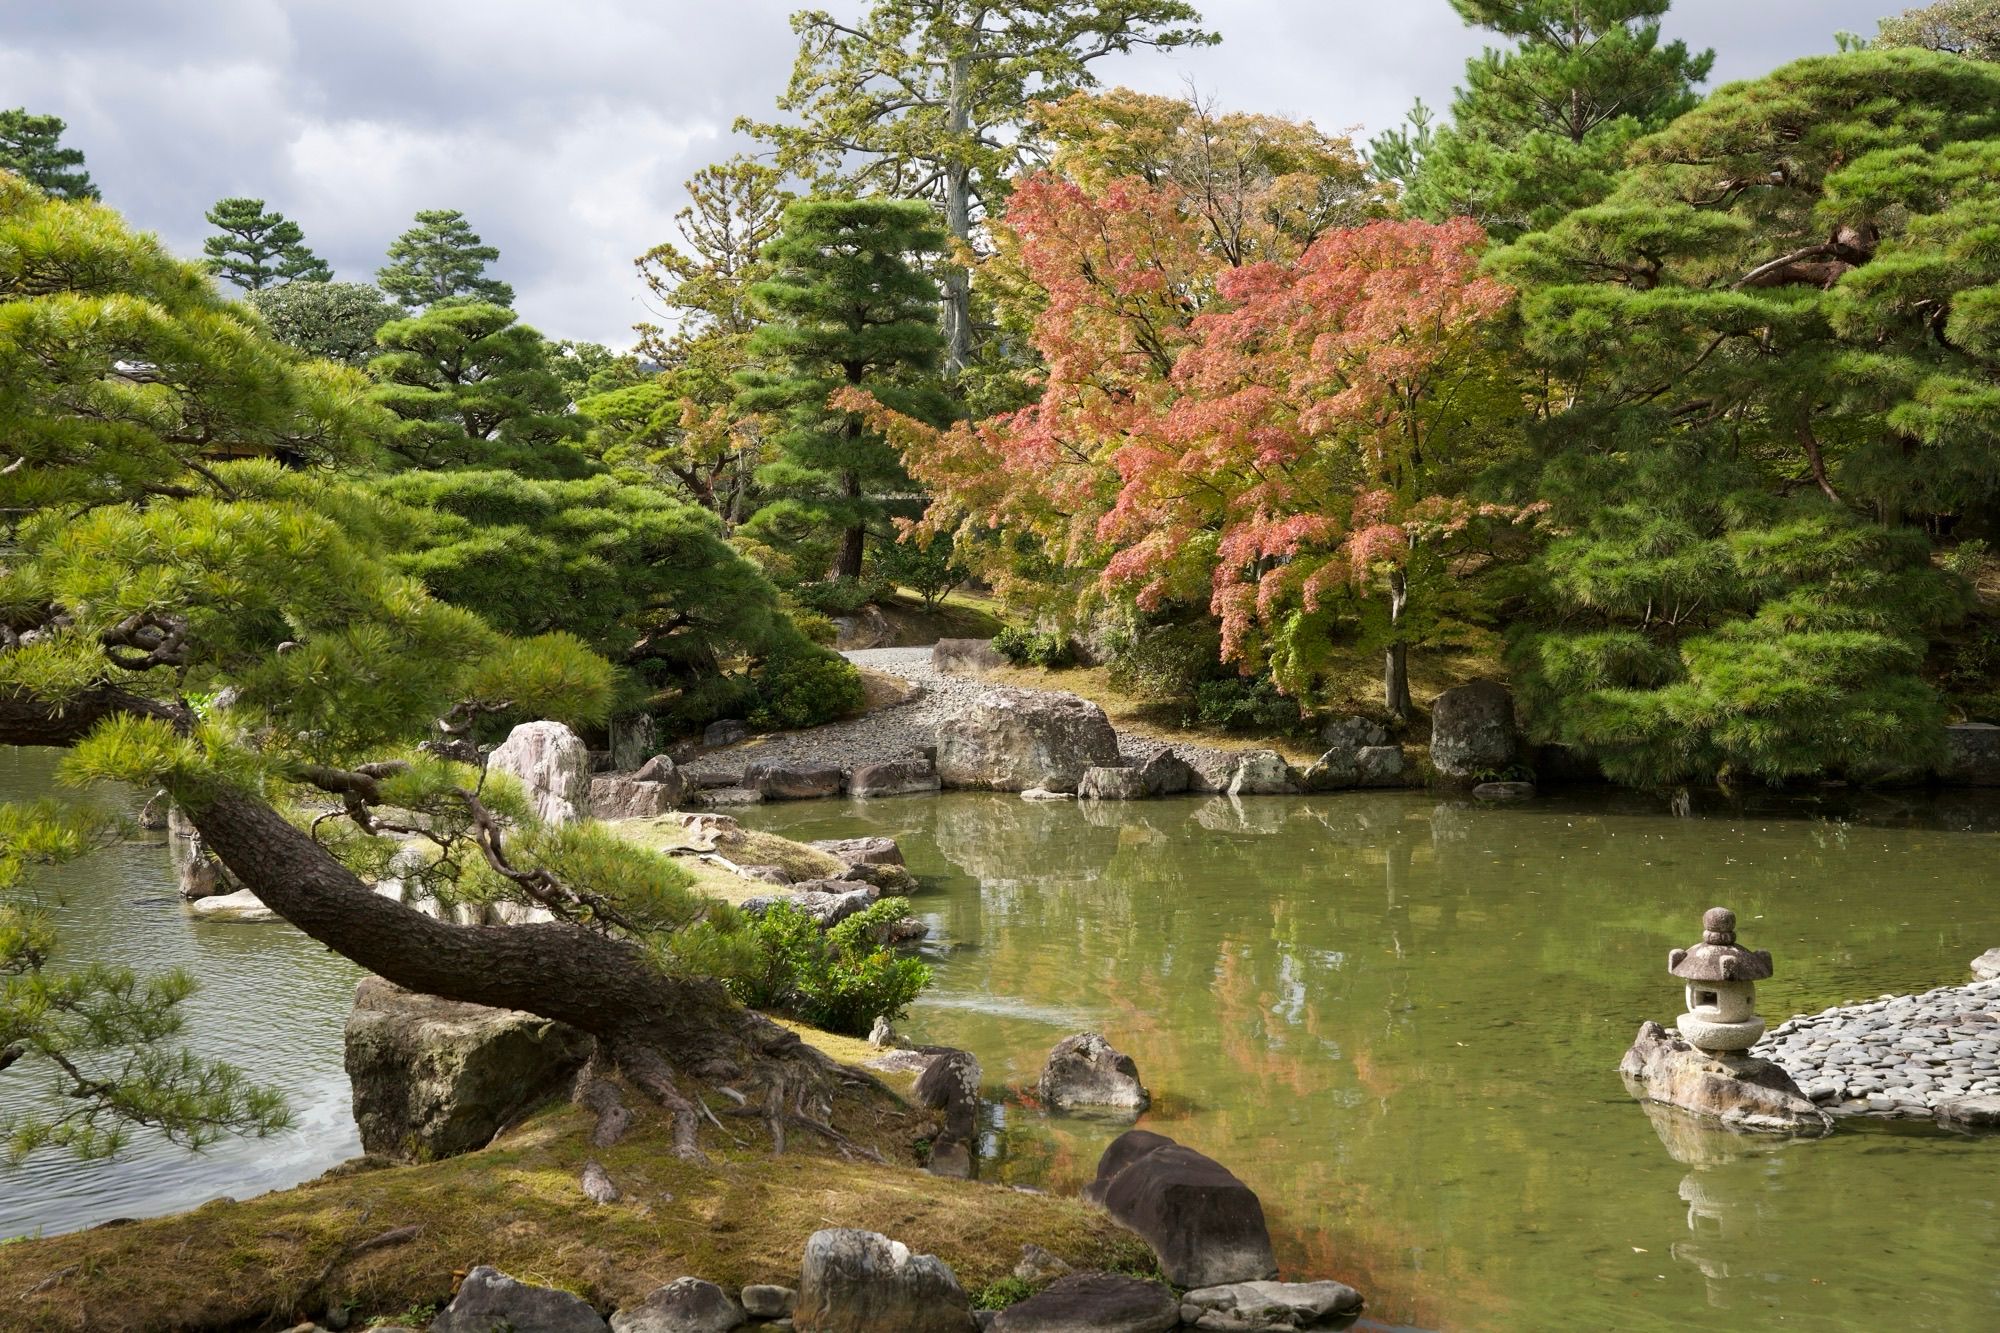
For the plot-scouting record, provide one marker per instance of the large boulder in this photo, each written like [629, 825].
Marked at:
[1093, 1303]
[1472, 731]
[685, 1305]
[863, 1282]
[1972, 755]
[1205, 1226]
[488, 1300]
[1209, 770]
[1016, 740]
[1743, 1092]
[1111, 784]
[781, 782]
[1086, 1070]
[1276, 1305]
[826, 901]
[950, 1083]
[242, 905]
[433, 1078]
[895, 777]
[618, 796]
[1164, 773]
[865, 851]
[965, 657]
[1353, 732]
[553, 764]
[1261, 773]
[1364, 766]
[634, 740]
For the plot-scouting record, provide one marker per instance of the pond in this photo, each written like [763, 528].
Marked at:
[1399, 1019]
[1396, 1017]
[272, 1002]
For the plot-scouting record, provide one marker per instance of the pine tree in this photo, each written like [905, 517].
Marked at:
[474, 387]
[31, 145]
[1778, 337]
[1540, 129]
[257, 249]
[928, 99]
[439, 259]
[847, 309]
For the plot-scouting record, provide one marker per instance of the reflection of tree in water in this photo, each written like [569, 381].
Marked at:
[1397, 1018]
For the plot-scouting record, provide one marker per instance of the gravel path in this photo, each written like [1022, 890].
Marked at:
[887, 733]
[1903, 1055]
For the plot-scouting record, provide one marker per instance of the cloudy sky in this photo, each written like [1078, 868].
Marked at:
[563, 130]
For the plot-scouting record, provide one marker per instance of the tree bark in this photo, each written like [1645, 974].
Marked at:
[1396, 662]
[854, 540]
[958, 221]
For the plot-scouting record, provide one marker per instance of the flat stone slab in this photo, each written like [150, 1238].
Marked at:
[1934, 1056]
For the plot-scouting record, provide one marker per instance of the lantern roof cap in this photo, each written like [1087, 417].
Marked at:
[1719, 957]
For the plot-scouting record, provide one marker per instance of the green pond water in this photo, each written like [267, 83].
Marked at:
[1399, 1021]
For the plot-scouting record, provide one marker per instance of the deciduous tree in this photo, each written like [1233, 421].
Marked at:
[927, 99]
[1969, 28]
[335, 320]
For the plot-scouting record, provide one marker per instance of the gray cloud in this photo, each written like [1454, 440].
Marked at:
[564, 130]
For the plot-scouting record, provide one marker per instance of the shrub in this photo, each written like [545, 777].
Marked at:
[1168, 662]
[841, 596]
[925, 568]
[838, 980]
[1246, 703]
[804, 684]
[1045, 649]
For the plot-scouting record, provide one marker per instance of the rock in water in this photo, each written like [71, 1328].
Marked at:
[775, 782]
[863, 1282]
[1097, 1302]
[243, 905]
[1472, 731]
[1742, 1092]
[1165, 773]
[1277, 1304]
[552, 764]
[1014, 740]
[896, 777]
[1262, 773]
[433, 1078]
[1085, 1070]
[1206, 1227]
[875, 851]
[685, 1305]
[1111, 784]
[1987, 966]
[488, 1299]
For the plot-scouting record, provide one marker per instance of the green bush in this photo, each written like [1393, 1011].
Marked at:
[841, 596]
[925, 568]
[1246, 703]
[838, 980]
[803, 685]
[1047, 650]
[1167, 663]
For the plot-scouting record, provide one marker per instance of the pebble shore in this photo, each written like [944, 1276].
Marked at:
[1897, 1056]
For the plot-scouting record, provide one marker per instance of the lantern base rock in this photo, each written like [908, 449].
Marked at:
[1742, 1092]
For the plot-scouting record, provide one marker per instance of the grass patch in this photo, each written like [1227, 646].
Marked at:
[959, 615]
[517, 1205]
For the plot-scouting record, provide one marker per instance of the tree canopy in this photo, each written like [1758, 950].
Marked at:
[334, 320]
[257, 248]
[32, 146]
[439, 259]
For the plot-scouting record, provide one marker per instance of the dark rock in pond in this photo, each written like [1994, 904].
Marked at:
[863, 1282]
[1017, 740]
[766, 1301]
[685, 1305]
[434, 1078]
[1972, 755]
[861, 851]
[1275, 1305]
[1085, 1070]
[727, 731]
[1742, 1092]
[1165, 773]
[1107, 783]
[965, 657]
[1472, 731]
[775, 782]
[1205, 1226]
[1094, 1303]
[1969, 1113]
[488, 1299]
[1504, 791]
[914, 776]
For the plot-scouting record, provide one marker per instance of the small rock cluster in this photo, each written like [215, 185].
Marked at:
[1929, 1056]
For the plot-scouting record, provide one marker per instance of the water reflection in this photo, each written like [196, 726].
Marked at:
[1399, 1019]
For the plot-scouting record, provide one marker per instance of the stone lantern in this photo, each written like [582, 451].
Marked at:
[1721, 990]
